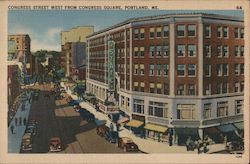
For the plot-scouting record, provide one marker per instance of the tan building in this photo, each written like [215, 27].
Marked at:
[68, 38]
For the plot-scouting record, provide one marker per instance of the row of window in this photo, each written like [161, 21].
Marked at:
[223, 87]
[158, 32]
[223, 32]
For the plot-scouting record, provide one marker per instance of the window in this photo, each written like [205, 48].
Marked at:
[128, 103]
[166, 89]
[236, 32]
[136, 69]
[225, 88]
[191, 30]
[191, 89]
[138, 106]
[241, 50]
[142, 86]
[158, 51]
[207, 89]
[158, 69]
[142, 51]
[237, 51]
[136, 33]
[207, 70]
[236, 87]
[158, 109]
[191, 50]
[225, 51]
[122, 101]
[207, 31]
[225, 69]
[218, 88]
[222, 109]
[239, 106]
[180, 30]
[152, 87]
[136, 52]
[159, 88]
[242, 33]
[191, 69]
[165, 51]
[180, 69]
[165, 31]
[151, 69]
[242, 86]
[242, 69]
[141, 69]
[180, 50]
[185, 111]
[158, 32]
[237, 69]
[136, 88]
[152, 51]
[219, 69]
[165, 70]
[219, 51]
[219, 32]
[142, 33]
[180, 89]
[207, 111]
[152, 33]
[225, 32]
[207, 50]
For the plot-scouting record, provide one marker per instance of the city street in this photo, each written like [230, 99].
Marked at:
[57, 119]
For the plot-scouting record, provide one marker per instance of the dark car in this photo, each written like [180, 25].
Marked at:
[73, 102]
[127, 144]
[90, 117]
[83, 112]
[55, 144]
[111, 136]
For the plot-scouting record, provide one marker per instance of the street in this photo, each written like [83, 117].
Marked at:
[57, 119]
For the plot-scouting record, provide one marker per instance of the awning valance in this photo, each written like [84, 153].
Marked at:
[239, 125]
[134, 123]
[156, 128]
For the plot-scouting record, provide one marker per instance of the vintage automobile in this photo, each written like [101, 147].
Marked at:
[111, 136]
[26, 142]
[127, 144]
[55, 144]
[31, 129]
[101, 130]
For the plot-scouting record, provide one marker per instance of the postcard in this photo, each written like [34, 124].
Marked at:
[125, 82]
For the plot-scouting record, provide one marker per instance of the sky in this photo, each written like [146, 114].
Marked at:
[44, 27]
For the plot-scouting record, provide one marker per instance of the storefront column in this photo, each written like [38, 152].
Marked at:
[200, 132]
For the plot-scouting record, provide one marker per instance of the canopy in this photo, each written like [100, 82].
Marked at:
[226, 128]
[122, 120]
[239, 125]
[134, 123]
[157, 128]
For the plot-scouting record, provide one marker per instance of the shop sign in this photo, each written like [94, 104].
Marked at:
[111, 65]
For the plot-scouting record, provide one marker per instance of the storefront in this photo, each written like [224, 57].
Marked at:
[182, 134]
[135, 126]
[229, 132]
[156, 132]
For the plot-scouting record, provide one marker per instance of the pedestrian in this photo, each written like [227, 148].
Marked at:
[205, 149]
[159, 137]
[20, 121]
[24, 121]
[15, 121]
[170, 140]
[12, 129]
[117, 127]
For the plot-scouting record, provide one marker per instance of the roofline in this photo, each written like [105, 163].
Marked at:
[174, 15]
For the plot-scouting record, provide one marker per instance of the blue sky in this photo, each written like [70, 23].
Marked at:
[44, 27]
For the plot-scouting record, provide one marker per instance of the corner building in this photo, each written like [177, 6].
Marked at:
[183, 72]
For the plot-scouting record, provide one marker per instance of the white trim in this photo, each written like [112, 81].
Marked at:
[172, 58]
[200, 59]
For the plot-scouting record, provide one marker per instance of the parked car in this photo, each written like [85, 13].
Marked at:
[90, 117]
[111, 136]
[26, 142]
[31, 129]
[101, 130]
[127, 144]
[83, 112]
[55, 144]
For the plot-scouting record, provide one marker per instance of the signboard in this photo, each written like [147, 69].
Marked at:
[111, 65]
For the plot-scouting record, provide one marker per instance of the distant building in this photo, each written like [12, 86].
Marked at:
[73, 43]
[183, 72]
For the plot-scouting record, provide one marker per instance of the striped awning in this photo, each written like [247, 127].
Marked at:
[134, 123]
[156, 128]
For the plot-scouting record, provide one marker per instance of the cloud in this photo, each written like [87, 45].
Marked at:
[47, 40]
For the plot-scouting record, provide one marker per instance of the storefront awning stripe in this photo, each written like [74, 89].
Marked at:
[239, 125]
[134, 123]
[156, 128]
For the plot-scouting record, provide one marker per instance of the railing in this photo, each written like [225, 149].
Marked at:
[186, 123]
[157, 120]
[223, 120]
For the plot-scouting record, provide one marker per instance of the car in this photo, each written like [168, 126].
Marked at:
[101, 130]
[127, 144]
[33, 122]
[26, 142]
[31, 129]
[83, 112]
[55, 144]
[111, 136]
[90, 117]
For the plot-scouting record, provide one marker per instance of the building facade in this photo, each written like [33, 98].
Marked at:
[19, 49]
[180, 72]
[73, 43]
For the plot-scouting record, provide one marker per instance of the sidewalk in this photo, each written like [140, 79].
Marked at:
[146, 145]
[15, 139]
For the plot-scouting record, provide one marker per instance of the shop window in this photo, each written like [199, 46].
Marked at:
[180, 50]
[239, 106]
[191, 30]
[180, 30]
[207, 111]
[138, 106]
[222, 109]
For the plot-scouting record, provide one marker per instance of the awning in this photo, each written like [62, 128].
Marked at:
[156, 128]
[226, 128]
[187, 131]
[122, 120]
[134, 123]
[239, 125]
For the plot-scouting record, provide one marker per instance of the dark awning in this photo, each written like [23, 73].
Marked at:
[227, 128]
[239, 125]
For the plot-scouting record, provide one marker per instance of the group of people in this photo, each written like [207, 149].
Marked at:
[200, 145]
[18, 122]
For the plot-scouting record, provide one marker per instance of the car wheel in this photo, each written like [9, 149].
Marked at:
[124, 149]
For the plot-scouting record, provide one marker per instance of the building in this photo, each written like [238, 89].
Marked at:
[179, 74]
[19, 49]
[73, 45]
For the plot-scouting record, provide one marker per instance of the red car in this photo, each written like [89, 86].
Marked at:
[55, 144]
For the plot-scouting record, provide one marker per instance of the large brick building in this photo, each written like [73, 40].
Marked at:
[183, 72]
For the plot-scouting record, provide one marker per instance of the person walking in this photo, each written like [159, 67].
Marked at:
[170, 140]
[12, 129]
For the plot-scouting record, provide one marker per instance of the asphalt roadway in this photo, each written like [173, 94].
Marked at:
[57, 119]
